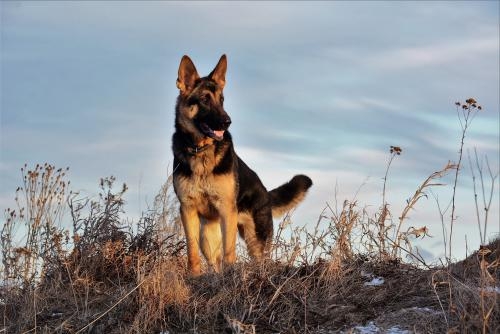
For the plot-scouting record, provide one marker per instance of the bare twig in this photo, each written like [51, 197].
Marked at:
[465, 113]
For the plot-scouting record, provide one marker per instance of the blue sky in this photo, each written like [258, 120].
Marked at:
[322, 88]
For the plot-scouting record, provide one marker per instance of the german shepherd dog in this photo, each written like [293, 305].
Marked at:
[218, 193]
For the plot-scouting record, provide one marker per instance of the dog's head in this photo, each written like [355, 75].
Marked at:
[200, 106]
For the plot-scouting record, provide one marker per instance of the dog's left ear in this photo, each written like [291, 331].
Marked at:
[219, 73]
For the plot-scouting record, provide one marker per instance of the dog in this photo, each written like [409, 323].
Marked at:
[219, 195]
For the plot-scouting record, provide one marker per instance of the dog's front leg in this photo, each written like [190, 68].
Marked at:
[229, 225]
[191, 224]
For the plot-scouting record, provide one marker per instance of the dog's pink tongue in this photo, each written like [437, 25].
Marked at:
[219, 133]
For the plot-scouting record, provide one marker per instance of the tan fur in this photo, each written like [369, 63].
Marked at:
[279, 211]
[191, 224]
[216, 207]
[187, 76]
[185, 119]
[211, 243]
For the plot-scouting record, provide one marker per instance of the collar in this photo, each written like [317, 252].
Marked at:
[194, 150]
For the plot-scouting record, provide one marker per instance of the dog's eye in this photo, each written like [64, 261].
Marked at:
[221, 99]
[205, 98]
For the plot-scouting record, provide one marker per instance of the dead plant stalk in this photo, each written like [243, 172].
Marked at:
[465, 115]
[419, 193]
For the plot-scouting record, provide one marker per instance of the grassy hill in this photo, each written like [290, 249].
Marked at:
[109, 276]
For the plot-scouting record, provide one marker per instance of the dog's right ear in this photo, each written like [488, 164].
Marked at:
[187, 75]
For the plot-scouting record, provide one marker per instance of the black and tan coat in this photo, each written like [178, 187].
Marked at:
[219, 194]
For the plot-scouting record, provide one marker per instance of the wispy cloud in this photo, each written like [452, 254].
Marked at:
[435, 54]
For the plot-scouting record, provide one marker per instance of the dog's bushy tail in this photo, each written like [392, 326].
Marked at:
[288, 195]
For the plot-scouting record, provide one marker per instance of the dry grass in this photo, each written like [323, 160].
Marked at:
[110, 276]
[113, 278]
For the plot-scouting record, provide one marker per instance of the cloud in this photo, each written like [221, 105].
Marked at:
[434, 54]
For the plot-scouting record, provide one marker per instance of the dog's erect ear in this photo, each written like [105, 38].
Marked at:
[219, 73]
[187, 75]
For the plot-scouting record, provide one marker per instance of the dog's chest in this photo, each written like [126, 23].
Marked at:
[206, 191]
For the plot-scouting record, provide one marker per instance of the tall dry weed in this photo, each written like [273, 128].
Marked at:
[40, 207]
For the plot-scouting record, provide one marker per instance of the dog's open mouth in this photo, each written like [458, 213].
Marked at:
[215, 134]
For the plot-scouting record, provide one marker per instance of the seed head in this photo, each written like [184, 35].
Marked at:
[396, 149]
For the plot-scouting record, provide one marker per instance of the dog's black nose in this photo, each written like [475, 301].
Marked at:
[226, 122]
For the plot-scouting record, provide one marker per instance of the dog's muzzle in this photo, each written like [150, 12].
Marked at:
[216, 132]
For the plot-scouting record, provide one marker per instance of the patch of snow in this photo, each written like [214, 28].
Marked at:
[397, 330]
[370, 328]
[491, 289]
[376, 281]
[424, 309]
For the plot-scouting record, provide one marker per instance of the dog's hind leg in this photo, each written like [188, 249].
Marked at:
[246, 229]
[211, 243]
[256, 229]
